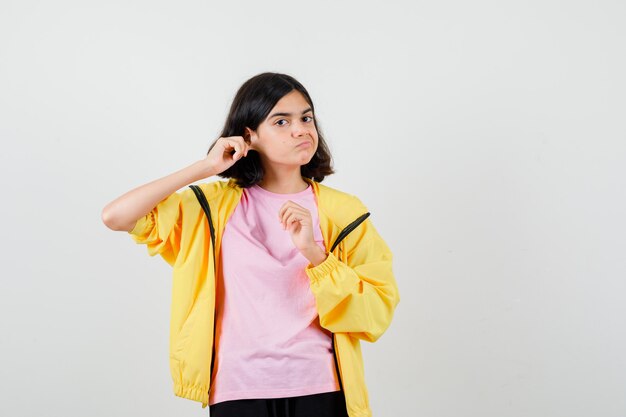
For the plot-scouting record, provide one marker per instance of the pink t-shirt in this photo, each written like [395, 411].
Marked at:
[269, 343]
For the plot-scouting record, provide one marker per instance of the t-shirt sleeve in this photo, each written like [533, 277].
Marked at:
[160, 229]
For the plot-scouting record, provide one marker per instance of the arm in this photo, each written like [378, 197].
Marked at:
[152, 213]
[123, 213]
[358, 297]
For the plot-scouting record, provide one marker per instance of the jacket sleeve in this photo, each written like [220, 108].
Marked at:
[358, 297]
[160, 229]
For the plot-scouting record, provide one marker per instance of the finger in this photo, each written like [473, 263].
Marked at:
[291, 218]
[230, 146]
[299, 209]
[289, 205]
[238, 150]
[282, 216]
[244, 141]
[283, 208]
[289, 211]
[244, 146]
[296, 215]
[227, 144]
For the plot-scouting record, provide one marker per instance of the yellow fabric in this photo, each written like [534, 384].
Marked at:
[355, 288]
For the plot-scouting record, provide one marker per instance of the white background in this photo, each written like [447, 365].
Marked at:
[487, 138]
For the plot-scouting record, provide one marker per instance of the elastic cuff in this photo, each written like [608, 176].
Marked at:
[318, 272]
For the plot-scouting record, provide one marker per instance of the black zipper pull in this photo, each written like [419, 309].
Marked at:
[349, 228]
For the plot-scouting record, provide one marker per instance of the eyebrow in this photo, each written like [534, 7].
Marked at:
[288, 114]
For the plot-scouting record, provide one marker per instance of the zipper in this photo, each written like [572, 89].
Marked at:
[205, 207]
[346, 230]
[212, 355]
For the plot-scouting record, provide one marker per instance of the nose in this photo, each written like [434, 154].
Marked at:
[300, 128]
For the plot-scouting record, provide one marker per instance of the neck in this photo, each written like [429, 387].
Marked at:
[284, 181]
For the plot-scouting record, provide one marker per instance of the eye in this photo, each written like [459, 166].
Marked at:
[284, 120]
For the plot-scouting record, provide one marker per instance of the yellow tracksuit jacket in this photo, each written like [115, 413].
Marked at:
[354, 288]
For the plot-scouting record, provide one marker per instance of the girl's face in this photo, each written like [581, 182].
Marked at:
[288, 135]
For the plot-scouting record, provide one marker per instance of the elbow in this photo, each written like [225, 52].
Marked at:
[111, 221]
[106, 218]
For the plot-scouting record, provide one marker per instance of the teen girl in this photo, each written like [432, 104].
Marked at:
[276, 277]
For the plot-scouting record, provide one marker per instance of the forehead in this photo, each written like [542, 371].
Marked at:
[291, 102]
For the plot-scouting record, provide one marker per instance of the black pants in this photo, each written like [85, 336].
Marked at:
[326, 404]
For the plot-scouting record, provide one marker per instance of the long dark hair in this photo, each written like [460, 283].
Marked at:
[252, 103]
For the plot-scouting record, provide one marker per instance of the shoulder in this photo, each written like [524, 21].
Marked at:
[339, 196]
[214, 188]
[341, 206]
[211, 190]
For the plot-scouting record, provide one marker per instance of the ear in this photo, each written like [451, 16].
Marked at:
[251, 137]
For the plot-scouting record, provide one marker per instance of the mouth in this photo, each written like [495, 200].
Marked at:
[304, 144]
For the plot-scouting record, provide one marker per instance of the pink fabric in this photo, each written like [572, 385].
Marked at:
[269, 343]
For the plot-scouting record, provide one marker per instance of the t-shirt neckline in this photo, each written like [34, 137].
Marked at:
[261, 190]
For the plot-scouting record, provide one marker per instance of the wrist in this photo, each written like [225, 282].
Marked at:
[201, 170]
[315, 254]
